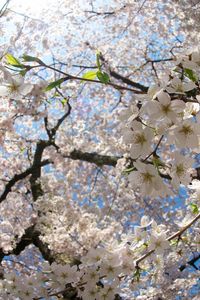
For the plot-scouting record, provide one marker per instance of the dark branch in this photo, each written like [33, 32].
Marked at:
[105, 13]
[90, 157]
[60, 121]
[95, 158]
[4, 8]
[31, 236]
[36, 171]
[124, 79]
[19, 177]
[191, 262]
[128, 81]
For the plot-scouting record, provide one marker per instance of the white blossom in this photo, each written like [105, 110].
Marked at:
[185, 134]
[164, 109]
[139, 138]
[179, 87]
[15, 87]
[158, 242]
[146, 177]
[181, 169]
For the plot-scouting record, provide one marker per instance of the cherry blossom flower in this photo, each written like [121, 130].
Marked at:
[192, 59]
[73, 217]
[158, 261]
[158, 242]
[15, 87]
[108, 292]
[65, 274]
[129, 114]
[181, 169]
[91, 275]
[109, 270]
[89, 293]
[145, 222]
[179, 87]
[185, 134]
[164, 109]
[94, 256]
[146, 177]
[140, 234]
[191, 109]
[139, 138]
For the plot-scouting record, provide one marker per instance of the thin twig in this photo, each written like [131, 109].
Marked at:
[171, 237]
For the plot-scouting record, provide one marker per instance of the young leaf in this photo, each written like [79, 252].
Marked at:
[22, 150]
[157, 162]
[194, 208]
[56, 95]
[174, 242]
[29, 58]
[23, 72]
[64, 101]
[137, 274]
[190, 74]
[11, 60]
[128, 170]
[103, 77]
[98, 60]
[54, 84]
[90, 75]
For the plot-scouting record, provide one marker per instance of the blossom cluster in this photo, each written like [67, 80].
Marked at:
[166, 118]
[63, 225]
[160, 135]
[104, 271]
[101, 271]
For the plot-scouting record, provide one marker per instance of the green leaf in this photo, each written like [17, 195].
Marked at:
[174, 242]
[157, 162]
[64, 101]
[56, 94]
[98, 60]
[137, 274]
[11, 60]
[90, 75]
[194, 208]
[22, 150]
[190, 74]
[177, 69]
[23, 72]
[54, 84]
[128, 170]
[103, 77]
[29, 58]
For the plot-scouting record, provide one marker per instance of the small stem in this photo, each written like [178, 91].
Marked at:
[156, 148]
[171, 237]
[72, 77]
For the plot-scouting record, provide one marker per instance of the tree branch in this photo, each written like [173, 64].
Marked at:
[191, 262]
[128, 81]
[77, 78]
[95, 158]
[19, 177]
[36, 171]
[124, 79]
[31, 236]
